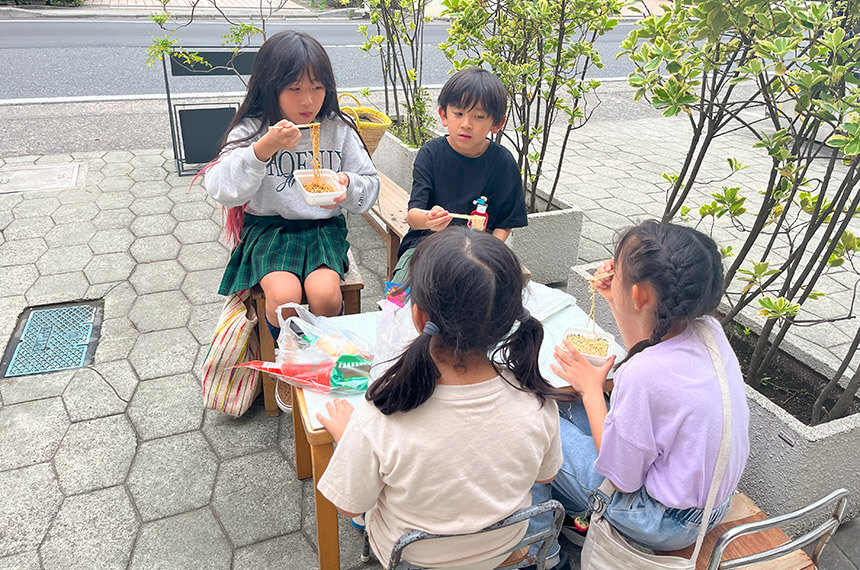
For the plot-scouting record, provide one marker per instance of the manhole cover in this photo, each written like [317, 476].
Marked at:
[49, 338]
[51, 176]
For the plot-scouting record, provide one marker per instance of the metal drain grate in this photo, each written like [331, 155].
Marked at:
[53, 337]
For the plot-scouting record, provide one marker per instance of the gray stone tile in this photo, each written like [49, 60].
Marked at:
[111, 241]
[172, 475]
[89, 396]
[290, 551]
[90, 157]
[118, 297]
[160, 311]
[19, 389]
[80, 195]
[201, 287]
[57, 288]
[197, 256]
[10, 309]
[23, 561]
[188, 211]
[22, 251]
[181, 193]
[197, 231]
[154, 225]
[95, 454]
[54, 159]
[116, 169]
[118, 156]
[286, 440]
[120, 375]
[203, 320]
[115, 183]
[70, 234]
[146, 174]
[31, 432]
[67, 213]
[28, 228]
[37, 206]
[64, 259]
[167, 406]
[143, 159]
[848, 540]
[232, 437]
[255, 498]
[155, 248]
[192, 541]
[112, 219]
[158, 276]
[118, 338]
[163, 353]
[114, 200]
[151, 206]
[109, 267]
[28, 503]
[18, 278]
[150, 189]
[93, 530]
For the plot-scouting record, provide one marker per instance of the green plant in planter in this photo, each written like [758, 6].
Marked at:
[788, 73]
[542, 51]
[396, 33]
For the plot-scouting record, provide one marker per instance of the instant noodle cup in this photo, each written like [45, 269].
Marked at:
[304, 179]
[595, 346]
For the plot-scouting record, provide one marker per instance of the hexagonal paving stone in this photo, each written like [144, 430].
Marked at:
[23, 561]
[197, 256]
[28, 228]
[197, 231]
[190, 540]
[36, 207]
[118, 156]
[109, 267]
[163, 353]
[114, 200]
[192, 211]
[80, 195]
[167, 406]
[115, 183]
[89, 396]
[31, 432]
[201, 287]
[57, 288]
[172, 475]
[75, 213]
[70, 234]
[22, 251]
[160, 311]
[118, 338]
[150, 189]
[155, 225]
[147, 174]
[28, 503]
[118, 297]
[157, 276]
[181, 193]
[203, 320]
[148, 160]
[28, 388]
[111, 219]
[111, 241]
[95, 454]
[93, 530]
[155, 248]
[64, 259]
[120, 375]
[255, 498]
[291, 551]
[18, 278]
[114, 169]
[232, 437]
[151, 206]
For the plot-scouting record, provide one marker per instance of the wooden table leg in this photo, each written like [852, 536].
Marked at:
[327, 539]
[304, 467]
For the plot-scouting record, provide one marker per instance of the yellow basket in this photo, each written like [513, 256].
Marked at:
[371, 123]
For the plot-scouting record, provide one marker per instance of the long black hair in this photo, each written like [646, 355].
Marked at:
[683, 265]
[282, 60]
[470, 285]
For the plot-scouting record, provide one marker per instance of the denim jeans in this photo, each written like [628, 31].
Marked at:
[635, 515]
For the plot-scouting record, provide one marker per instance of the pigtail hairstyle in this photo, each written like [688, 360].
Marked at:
[470, 285]
[682, 264]
[282, 60]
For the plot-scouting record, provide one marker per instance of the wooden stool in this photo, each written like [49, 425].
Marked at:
[350, 288]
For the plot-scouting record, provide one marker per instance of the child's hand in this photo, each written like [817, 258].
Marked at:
[283, 135]
[343, 180]
[579, 372]
[603, 285]
[339, 413]
[438, 218]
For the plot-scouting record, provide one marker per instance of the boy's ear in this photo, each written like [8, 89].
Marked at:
[498, 126]
[444, 116]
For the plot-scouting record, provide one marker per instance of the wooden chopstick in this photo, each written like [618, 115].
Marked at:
[463, 216]
[600, 276]
[307, 126]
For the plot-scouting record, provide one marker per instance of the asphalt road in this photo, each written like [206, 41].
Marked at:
[42, 59]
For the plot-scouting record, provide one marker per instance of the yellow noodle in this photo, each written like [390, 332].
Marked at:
[588, 345]
[318, 184]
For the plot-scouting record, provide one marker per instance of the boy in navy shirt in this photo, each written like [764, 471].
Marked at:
[453, 171]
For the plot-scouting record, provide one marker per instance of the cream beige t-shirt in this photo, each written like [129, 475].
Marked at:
[464, 459]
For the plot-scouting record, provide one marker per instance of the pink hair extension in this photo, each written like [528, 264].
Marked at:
[234, 218]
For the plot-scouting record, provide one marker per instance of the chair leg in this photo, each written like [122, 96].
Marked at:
[267, 353]
[352, 302]
[365, 547]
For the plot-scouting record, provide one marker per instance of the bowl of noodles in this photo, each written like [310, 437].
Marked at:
[319, 190]
[594, 345]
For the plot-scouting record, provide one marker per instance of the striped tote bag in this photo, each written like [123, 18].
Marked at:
[225, 388]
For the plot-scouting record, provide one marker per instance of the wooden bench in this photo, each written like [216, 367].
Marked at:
[388, 218]
[350, 288]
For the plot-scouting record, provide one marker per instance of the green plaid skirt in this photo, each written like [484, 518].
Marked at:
[272, 243]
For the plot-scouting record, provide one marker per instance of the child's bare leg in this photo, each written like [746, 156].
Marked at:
[322, 289]
[280, 287]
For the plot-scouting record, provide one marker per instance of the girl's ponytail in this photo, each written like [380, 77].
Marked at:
[409, 382]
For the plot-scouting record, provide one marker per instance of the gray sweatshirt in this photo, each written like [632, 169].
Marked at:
[270, 189]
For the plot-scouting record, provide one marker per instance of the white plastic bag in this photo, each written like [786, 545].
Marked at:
[394, 332]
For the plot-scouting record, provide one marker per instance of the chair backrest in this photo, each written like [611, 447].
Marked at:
[546, 537]
[837, 501]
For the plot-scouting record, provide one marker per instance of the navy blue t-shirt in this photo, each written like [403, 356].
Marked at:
[442, 176]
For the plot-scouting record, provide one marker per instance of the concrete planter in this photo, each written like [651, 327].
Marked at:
[549, 245]
[395, 160]
[790, 464]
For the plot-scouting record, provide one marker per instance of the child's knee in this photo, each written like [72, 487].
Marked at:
[325, 301]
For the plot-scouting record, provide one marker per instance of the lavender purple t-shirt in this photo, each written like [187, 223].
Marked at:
[665, 421]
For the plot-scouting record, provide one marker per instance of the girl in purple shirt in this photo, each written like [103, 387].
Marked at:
[658, 440]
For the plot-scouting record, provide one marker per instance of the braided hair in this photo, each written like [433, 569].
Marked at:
[682, 264]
